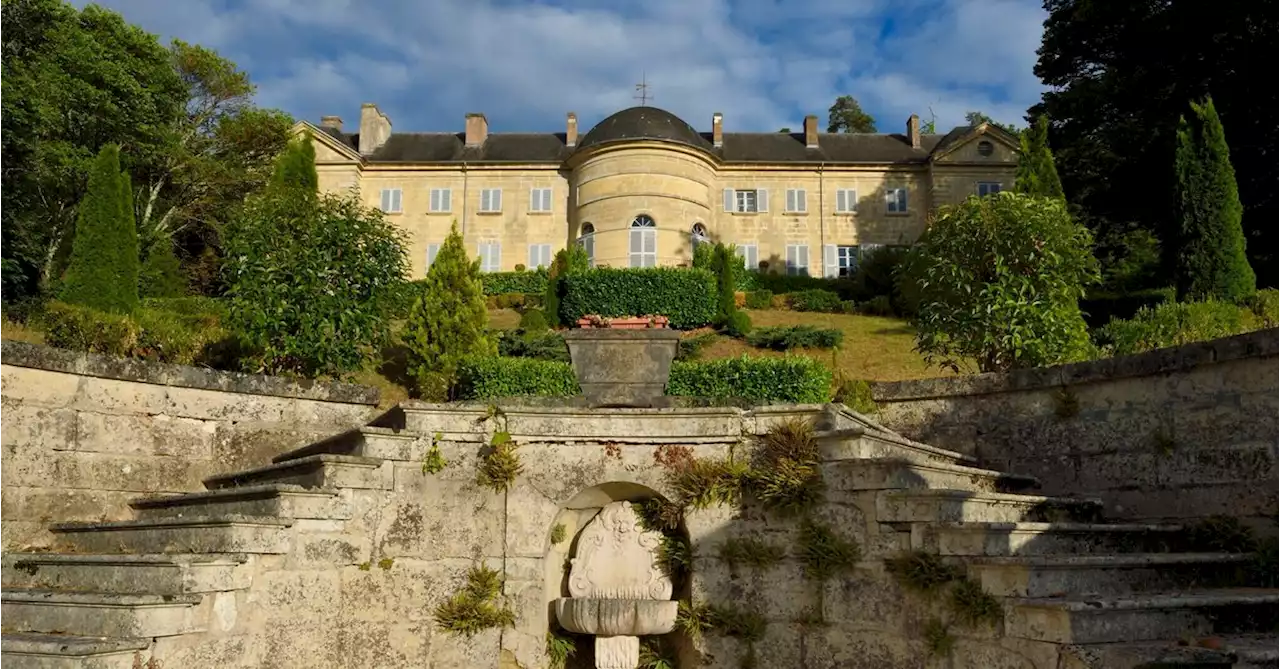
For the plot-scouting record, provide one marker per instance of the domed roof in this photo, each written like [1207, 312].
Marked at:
[644, 123]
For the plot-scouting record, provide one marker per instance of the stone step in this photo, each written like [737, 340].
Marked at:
[62, 651]
[861, 443]
[1123, 574]
[275, 500]
[313, 471]
[948, 506]
[895, 473]
[195, 534]
[100, 614]
[1231, 651]
[1023, 538]
[126, 574]
[1144, 617]
[1254, 651]
[370, 442]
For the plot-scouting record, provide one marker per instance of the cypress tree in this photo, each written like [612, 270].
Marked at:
[569, 260]
[296, 167]
[1037, 174]
[723, 264]
[448, 319]
[1208, 255]
[103, 272]
[161, 274]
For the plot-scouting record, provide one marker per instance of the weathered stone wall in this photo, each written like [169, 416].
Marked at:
[83, 434]
[1177, 433]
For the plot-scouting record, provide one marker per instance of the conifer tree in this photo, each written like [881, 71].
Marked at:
[1037, 174]
[103, 271]
[448, 319]
[1209, 252]
[296, 167]
[567, 261]
[724, 262]
[161, 273]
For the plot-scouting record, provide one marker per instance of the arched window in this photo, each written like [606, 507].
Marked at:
[588, 243]
[644, 242]
[699, 235]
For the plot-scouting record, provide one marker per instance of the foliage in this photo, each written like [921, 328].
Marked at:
[1036, 173]
[785, 338]
[823, 553]
[529, 281]
[1221, 534]
[533, 321]
[161, 273]
[695, 620]
[879, 305]
[825, 301]
[1130, 260]
[725, 265]
[1209, 249]
[691, 347]
[877, 278]
[433, 462]
[704, 257]
[784, 475]
[487, 377]
[786, 283]
[1100, 308]
[846, 115]
[785, 379]
[738, 325]
[700, 483]
[559, 649]
[150, 333]
[1265, 306]
[999, 279]
[659, 514]
[921, 571]
[972, 605]
[760, 299]
[1177, 323]
[447, 321]
[317, 304]
[686, 296]
[976, 118]
[103, 272]
[656, 655]
[499, 463]
[571, 260]
[856, 393]
[751, 552]
[475, 606]
[937, 638]
[558, 534]
[674, 557]
[296, 167]
[539, 344]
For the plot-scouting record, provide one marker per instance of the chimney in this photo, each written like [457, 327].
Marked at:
[375, 128]
[477, 129]
[331, 122]
[571, 131]
[913, 131]
[717, 130]
[811, 132]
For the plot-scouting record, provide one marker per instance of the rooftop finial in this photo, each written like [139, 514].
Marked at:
[643, 87]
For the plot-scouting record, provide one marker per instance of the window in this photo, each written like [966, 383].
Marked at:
[846, 201]
[588, 243]
[895, 200]
[433, 250]
[986, 188]
[746, 201]
[797, 260]
[539, 255]
[986, 148]
[796, 201]
[391, 200]
[490, 257]
[644, 242]
[491, 200]
[441, 201]
[698, 235]
[540, 199]
[846, 260]
[750, 254]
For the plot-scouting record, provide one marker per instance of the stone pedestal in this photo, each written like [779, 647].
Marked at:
[622, 368]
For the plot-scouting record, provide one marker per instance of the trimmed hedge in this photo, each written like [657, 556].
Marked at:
[541, 344]
[685, 296]
[1178, 323]
[787, 379]
[825, 301]
[786, 338]
[760, 299]
[491, 377]
[786, 283]
[499, 283]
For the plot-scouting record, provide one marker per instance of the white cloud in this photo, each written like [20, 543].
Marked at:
[763, 63]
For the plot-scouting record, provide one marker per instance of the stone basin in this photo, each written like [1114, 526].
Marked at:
[616, 617]
[622, 368]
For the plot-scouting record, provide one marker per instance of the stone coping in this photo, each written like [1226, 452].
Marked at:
[569, 406]
[1258, 344]
[22, 354]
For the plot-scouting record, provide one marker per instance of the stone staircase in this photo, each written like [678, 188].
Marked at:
[1089, 594]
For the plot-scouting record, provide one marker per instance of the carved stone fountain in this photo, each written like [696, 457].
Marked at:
[618, 593]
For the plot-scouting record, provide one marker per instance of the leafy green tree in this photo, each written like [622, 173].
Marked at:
[1209, 251]
[448, 320]
[567, 261]
[103, 272]
[998, 281]
[297, 166]
[846, 115]
[1037, 174]
[976, 118]
[161, 274]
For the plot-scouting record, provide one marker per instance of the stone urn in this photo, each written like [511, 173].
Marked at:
[622, 368]
[618, 593]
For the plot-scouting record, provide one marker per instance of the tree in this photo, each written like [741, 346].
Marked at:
[103, 272]
[297, 166]
[976, 118]
[1037, 174]
[161, 273]
[448, 319]
[846, 115]
[785, 131]
[567, 261]
[1209, 253]
[998, 281]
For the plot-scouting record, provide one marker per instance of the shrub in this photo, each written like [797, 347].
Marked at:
[724, 264]
[475, 607]
[999, 278]
[691, 347]
[296, 167]
[825, 301]
[686, 296]
[704, 256]
[499, 283]
[760, 299]
[876, 276]
[161, 273]
[486, 377]
[1037, 174]
[738, 325]
[103, 271]
[786, 283]
[1175, 324]
[532, 320]
[785, 338]
[856, 394]
[1100, 308]
[541, 344]
[879, 305]
[786, 379]
[151, 333]
[570, 260]
[1265, 306]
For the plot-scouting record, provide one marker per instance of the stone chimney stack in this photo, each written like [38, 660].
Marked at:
[913, 131]
[571, 131]
[811, 132]
[331, 122]
[477, 129]
[375, 128]
[717, 130]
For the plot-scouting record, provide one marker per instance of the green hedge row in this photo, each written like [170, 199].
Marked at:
[785, 283]
[183, 331]
[686, 296]
[500, 283]
[1177, 323]
[1100, 308]
[785, 338]
[492, 377]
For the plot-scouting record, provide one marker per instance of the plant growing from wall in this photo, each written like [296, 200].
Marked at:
[559, 649]
[476, 606]
[654, 654]
[973, 606]
[433, 462]
[823, 553]
[1066, 404]
[499, 464]
[937, 638]
[921, 571]
[694, 619]
[558, 534]
[751, 552]
[784, 475]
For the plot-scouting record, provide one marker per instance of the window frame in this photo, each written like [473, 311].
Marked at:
[797, 201]
[794, 268]
[847, 258]
[390, 196]
[850, 197]
[750, 255]
[896, 201]
[999, 187]
[487, 204]
[494, 249]
[539, 256]
[540, 200]
[440, 201]
[644, 229]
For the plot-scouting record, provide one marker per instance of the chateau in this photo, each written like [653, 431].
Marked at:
[643, 187]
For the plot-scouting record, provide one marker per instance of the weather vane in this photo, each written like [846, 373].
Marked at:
[643, 87]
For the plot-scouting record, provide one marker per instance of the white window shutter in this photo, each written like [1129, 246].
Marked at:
[497, 256]
[804, 258]
[386, 200]
[533, 256]
[535, 199]
[842, 201]
[497, 199]
[728, 199]
[446, 199]
[791, 199]
[802, 201]
[829, 263]
[762, 199]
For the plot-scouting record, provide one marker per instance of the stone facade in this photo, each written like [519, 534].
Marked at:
[818, 195]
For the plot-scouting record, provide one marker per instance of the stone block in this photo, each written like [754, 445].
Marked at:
[143, 435]
[122, 397]
[38, 387]
[853, 647]
[450, 650]
[453, 521]
[35, 427]
[207, 650]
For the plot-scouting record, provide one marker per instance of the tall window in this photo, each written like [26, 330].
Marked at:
[540, 199]
[391, 200]
[796, 201]
[846, 201]
[986, 188]
[895, 200]
[491, 200]
[539, 255]
[846, 260]
[698, 235]
[746, 201]
[433, 250]
[490, 256]
[750, 254]
[644, 242]
[588, 243]
[441, 201]
[797, 260]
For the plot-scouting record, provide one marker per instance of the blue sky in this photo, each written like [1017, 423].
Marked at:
[764, 64]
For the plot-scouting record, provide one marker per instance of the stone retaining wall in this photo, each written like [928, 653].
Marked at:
[83, 433]
[1172, 434]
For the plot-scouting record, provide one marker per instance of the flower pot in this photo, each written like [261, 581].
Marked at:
[623, 322]
[622, 367]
